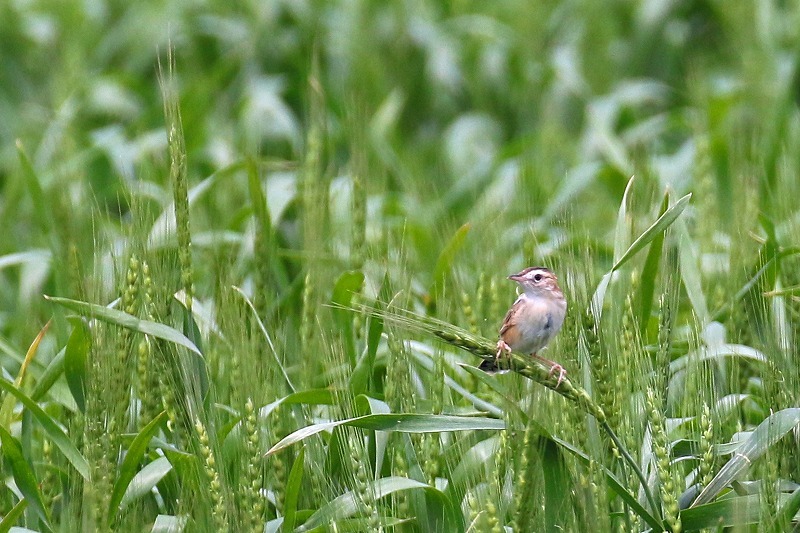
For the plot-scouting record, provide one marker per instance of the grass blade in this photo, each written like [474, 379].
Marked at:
[622, 232]
[656, 228]
[349, 282]
[166, 523]
[728, 512]
[122, 319]
[23, 474]
[768, 432]
[787, 512]
[75, 355]
[404, 423]
[650, 273]
[444, 263]
[293, 491]
[7, 408]
[346, 505]
[145, 479]
[659, 226]
[53, 430]
[129, 466]
[557, 485]
[10, 519]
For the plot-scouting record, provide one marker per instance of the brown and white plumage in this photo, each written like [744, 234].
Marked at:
[535, 318]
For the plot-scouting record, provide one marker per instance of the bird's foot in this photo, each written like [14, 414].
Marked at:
[502, 347]
[492, 366]
[556, 368]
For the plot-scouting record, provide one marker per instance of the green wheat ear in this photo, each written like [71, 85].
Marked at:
[485, 349]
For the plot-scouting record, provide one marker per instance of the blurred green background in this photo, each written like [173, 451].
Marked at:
[417, 150]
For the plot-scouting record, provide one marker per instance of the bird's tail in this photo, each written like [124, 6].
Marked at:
[489, 366]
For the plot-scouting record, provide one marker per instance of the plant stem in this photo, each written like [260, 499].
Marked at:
[627, 456]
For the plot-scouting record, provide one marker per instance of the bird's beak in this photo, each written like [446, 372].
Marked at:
[515, 277]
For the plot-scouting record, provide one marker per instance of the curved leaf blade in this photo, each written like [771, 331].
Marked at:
[144, 480]
[7, 408]
[656, 228]
[75, 356]
[53, 430]
[728, 512]
[659, 226]
[167, 523]
[623, 228]
[129, 467]
[13, 515]
[122, 319]
[403, 422]
[346, 505]
[444, 263]
[293, 491]
[23, 474]
[788, 510]
[768, 432]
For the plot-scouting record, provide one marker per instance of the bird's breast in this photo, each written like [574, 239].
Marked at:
[536, 322]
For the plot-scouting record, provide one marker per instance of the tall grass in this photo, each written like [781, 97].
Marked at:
[273, 240]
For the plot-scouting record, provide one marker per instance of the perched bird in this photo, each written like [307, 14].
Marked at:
[534, 319]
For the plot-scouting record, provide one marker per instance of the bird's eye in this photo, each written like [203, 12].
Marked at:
[537, 277]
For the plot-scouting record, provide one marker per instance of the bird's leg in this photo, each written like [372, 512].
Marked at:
[554, 368]
[502, 348]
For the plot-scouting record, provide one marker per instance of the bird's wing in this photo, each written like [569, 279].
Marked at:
[509, 331]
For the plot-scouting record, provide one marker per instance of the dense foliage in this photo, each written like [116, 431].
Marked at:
[254, 252]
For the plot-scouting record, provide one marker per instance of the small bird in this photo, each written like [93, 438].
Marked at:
[534, 319]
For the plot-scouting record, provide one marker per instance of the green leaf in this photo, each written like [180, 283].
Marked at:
[293, 485]
[347, 504]
[166, 523]
[193, 361]
[622, 231]
[53, 430]
[360, 377]
[360, 525]
[714, 352]
[43, 211]
[75, 354]
[727, 512]
[122, 319]
[348, 283]
[258, 199]
[50, 376]
[7, 408]
[557, 486]
[144, 480]
[788, 510]
[659, 226]
[310, 397]
[369, 405]
[11, 518]
[688, 257]
[404, 423]
[130, 465]
[376, 322]
[23, 474]
[768, 432]
[647, 284]
[444, 263]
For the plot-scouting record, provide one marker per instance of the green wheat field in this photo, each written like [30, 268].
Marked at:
[253, 252]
